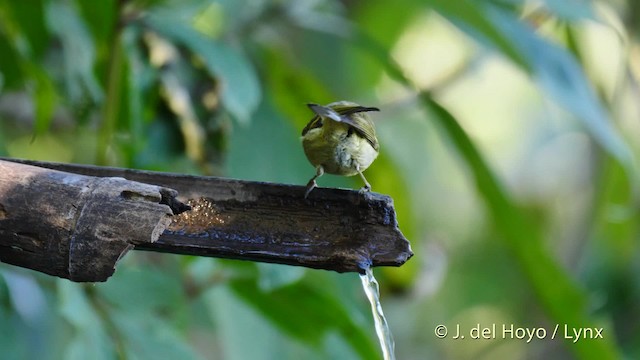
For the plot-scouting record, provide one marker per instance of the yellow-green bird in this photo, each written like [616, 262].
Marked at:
[340, 139]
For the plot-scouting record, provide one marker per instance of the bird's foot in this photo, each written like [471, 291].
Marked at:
[310, 186]
[365, 189]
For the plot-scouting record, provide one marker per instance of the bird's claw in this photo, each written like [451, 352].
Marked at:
[310, 186]
[365, 189]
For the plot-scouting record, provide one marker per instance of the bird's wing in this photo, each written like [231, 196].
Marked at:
[345, 113]
[360, 122]
[316, 122]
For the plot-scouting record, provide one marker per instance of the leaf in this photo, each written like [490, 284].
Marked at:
[74, 305]
[90, 340]
[90, 344]
[45, 98]
[470, 17]
[136, 74]
[562, 79]
[100, 17]
[26, 295]
[572, 10]
[29, 17]
[143, 290]
[12, 343]
[563, 300]
[11, 74]
[148, 337]
[276, 139]
[273, 276]
[241, 91]
[79, 51]
[306, 314]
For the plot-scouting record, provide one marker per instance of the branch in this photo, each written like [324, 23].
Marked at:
[333, 229]
[75, 226]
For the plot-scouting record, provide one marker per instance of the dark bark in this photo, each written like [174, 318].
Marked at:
[333, 229]
[75, 226]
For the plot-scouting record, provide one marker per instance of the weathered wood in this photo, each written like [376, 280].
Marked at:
[75, 226]
[334, 229]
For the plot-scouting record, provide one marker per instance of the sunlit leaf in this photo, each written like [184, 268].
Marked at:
[469, 16]
[562, 79]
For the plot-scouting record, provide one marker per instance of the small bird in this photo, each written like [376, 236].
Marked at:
[340, 139]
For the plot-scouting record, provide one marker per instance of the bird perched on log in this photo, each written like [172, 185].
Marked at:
[340, 139]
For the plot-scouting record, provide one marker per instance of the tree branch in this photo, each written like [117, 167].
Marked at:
[333, 229]
[75, 226]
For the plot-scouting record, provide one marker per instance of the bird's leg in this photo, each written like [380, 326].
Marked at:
[367, 186]
[312, 183]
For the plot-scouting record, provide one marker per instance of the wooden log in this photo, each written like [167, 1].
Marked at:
[334, 229]
[74, 226]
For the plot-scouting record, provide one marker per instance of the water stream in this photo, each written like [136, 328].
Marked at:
[371, 288]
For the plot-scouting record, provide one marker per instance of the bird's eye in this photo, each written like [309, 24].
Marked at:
[350, 132]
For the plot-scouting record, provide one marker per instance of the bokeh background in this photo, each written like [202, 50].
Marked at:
[509, 138]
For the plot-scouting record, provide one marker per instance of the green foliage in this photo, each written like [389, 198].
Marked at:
[533, 210]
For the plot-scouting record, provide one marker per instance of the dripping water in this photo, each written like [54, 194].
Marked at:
[371, 288]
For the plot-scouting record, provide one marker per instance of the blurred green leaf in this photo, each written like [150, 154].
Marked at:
[241, 91]
[143, 290]
[611, 259]
[564, 301]
[147, 337]
[273, 276]
[239, 324]
[45, 98]
[10, 67]
[79, 51]
[75, 306]
[274, 138]
[88, 344]
[30, 17]
[469, 16]
[572, 9]
[284, 74]
[90, 338]
[11, 343]
[136, 75]
[562, 79]
[101, 18]
[307, 314]
[556, 71]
